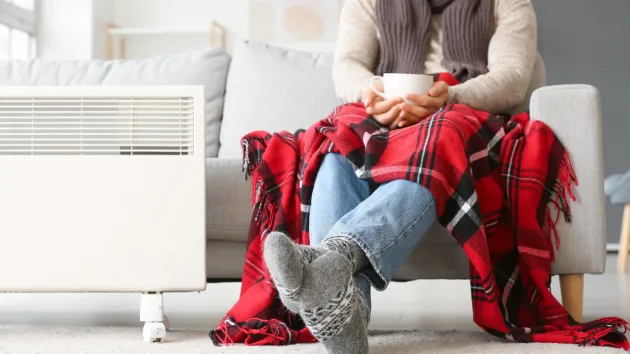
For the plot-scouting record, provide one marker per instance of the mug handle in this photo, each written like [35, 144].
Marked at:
[372, 81]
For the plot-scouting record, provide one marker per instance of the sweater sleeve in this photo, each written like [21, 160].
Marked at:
[511, 59]
[356, 50]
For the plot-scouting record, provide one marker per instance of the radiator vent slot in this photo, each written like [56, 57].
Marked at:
[97, 126]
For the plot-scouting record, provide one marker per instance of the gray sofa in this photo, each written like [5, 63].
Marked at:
[260, 87]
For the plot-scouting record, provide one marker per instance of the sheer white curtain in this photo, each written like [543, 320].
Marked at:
[18, 22]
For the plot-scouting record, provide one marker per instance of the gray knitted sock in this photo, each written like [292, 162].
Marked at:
[341, 324]
[286, 262]
[338, 320]
[318, 281]
[349, 249]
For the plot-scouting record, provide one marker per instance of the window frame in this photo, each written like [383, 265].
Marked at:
[21, 19]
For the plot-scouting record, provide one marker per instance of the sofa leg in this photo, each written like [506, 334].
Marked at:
[152, 314]
[572, 288]
[624, 241]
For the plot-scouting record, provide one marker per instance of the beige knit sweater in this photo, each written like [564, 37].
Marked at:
[511, 56]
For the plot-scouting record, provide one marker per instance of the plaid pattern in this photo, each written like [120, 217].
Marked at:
[495, 179]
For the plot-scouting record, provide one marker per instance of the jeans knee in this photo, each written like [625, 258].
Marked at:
[336, 164]
[334, 169]
[420, 195]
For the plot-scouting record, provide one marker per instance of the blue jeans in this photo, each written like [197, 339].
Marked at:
[387, 224]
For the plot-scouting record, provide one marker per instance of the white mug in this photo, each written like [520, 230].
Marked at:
[400, 85]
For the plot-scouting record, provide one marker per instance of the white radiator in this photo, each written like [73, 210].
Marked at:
[102, 189]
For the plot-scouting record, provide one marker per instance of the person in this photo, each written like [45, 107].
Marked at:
[360, 234]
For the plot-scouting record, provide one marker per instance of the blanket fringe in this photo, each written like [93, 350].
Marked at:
[251, 160]
[258, 332]
[264, 207]
[559, 198]
[595, 336]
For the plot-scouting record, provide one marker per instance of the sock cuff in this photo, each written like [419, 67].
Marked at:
[345, 246]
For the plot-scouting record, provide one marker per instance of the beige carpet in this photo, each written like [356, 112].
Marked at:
[114, 340]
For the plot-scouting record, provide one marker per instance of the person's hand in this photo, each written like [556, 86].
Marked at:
[384, 111]
[424, 106]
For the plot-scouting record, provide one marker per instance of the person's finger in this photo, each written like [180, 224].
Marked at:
[376, 99]
[408, 119]
[424, 100]
[418, 111]
[439, 88]
[396, 122]
[368, 98]
[402, 117]
[386, 119]
[407, 123]
[392, 115]
[380, 107]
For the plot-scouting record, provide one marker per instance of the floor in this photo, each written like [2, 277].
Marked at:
[421, 305]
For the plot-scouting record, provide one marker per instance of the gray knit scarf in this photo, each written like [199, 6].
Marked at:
[467, 26]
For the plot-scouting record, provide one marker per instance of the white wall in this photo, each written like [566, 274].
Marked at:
[73, 29]
[232, 14]
[236, 16]
[76, 29]
[102, 13]
[300, 24]
[65, 29]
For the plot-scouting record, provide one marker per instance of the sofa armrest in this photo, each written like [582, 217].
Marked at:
[573, 112]
[228, 200]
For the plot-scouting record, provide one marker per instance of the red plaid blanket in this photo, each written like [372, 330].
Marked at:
[495, 179]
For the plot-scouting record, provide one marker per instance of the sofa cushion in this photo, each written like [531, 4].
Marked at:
[207, 67]
[274, 89]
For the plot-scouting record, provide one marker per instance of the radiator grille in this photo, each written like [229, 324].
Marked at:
[96, 126]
